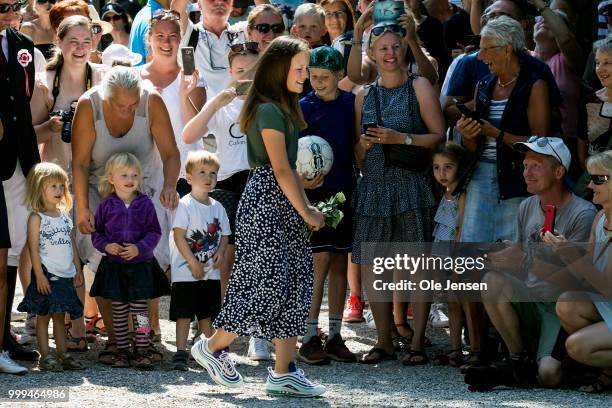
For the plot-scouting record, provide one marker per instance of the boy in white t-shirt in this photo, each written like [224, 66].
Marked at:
[197, 246]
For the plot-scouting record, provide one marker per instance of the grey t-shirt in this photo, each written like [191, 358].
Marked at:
[573, 220]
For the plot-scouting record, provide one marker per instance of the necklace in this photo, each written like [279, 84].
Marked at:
[503, 85]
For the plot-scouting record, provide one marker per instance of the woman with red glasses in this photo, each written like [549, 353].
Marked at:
[265, 23]
[40, 29]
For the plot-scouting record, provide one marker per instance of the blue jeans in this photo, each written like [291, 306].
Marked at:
[486, 218]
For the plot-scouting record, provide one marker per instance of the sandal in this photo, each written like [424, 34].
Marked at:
[402, 343]
[602, 384]
[92, 327]
[121, 359]
[451, 358]
[154, 355]
[415, 358]
[106, 356]
[474, 359]
[155, 338]
[377, 355]
[143, 362]
[50, 363]
[76, 344]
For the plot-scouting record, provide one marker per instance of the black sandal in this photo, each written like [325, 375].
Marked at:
[107, 356]
[600, 385]
[401, 343]
[377, 355]
[474, 359]
[451, 358]
[415, 358]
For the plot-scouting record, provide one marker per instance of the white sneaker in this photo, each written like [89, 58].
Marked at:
[9, 366]
[219, 365]
[259, 349]
[437, 317]
[292, 384]
[369, 318]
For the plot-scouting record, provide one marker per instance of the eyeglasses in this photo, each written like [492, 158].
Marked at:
[243, 47]
[335, 14]
[265, 28]
[96, 28]
[46, 1]
[598, 179]
[543, 141]
[115, 17]
[485, 49]
[5, 8]
[165, 15]
[390, 28]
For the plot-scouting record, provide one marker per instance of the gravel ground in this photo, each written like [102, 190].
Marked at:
[387, 385]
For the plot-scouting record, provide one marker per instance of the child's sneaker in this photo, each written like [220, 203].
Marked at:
[292, 384]
[259, 350]
[8, 366]
[337, 350]
[180, 360]
[312, 352]
[354, 310]
[437, 317]
[219, 364]
[50, 363]
[121, 359]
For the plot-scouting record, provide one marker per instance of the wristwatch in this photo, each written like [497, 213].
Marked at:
[408, 140]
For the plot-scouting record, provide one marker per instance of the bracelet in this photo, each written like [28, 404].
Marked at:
[356, 43]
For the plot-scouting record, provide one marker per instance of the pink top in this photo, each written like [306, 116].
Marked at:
[569, 86]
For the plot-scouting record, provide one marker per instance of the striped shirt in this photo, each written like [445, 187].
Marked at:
[496, 110]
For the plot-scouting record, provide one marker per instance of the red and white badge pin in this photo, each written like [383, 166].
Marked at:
[24, 57]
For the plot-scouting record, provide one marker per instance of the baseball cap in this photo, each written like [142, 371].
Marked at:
[121, 53]
[111, 8]
[327, 58]
[549, 146]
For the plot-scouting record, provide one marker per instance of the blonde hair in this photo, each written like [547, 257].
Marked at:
[601, 161]
[200, 158]
[310, 9]
[118, 161]
[38, 178]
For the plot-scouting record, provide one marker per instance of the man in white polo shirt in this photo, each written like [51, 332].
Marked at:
[214, 37]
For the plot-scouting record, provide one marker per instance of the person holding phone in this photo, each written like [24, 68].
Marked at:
[518, 306]
[221, 116]
[183, 96]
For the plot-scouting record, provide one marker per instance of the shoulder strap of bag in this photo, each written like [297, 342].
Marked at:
[194, 37]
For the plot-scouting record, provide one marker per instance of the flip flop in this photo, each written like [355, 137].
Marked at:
[409, 359]
[377, 355]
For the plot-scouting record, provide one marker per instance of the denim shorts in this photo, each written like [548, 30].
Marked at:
[486, 218]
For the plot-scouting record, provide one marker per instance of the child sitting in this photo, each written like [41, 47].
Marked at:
[200, 230]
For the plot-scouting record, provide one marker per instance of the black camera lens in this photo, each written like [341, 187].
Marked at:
[67, 132]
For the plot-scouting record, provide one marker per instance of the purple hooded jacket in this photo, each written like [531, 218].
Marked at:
[136, 224]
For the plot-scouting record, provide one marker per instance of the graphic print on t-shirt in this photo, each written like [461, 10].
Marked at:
[204, 244]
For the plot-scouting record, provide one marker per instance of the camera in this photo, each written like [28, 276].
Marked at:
[66, 116]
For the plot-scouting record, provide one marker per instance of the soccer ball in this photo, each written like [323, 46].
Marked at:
[314, 156]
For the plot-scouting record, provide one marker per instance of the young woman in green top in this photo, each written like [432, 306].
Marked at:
[270, 287]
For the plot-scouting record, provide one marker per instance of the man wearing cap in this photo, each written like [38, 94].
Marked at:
[526, 305]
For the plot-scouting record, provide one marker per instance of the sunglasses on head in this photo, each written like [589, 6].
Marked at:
[542, 141]
[247, 46]
[108, 19]
[391, 28]
[96, 29]
[46, 1]
[265, 28]
[165, 15]
[5, 8]
[598, 179]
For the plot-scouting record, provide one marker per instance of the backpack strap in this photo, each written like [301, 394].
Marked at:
[194, 37]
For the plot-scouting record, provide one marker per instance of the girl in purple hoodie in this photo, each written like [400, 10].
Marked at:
[127, 231]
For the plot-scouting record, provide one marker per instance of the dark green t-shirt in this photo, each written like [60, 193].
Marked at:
[269, 116]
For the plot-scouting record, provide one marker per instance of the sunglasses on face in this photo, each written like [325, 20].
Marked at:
[391, 28]
[5, 8]
[265, 28]
[598, 179]
[46, 1]
[108, 19]
[542, 141]
[96, 29]
[247, 46]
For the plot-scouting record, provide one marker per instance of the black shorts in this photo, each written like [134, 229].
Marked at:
[5, 236]
[201, 298]
[228, 193]
[327, 239]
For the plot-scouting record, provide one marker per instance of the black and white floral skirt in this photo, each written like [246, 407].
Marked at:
[270, 287]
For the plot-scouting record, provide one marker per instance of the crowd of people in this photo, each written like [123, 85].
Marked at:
[131, 172]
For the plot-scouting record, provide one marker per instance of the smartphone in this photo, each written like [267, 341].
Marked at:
[388, 11]
[188, 60]
[468, 113]
[368, 125]
[550, 212]
[243, 86]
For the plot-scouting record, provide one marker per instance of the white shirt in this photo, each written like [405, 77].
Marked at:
[204, 226]
[231, 142]
[55, 245]
[40, 64]
[211, 56]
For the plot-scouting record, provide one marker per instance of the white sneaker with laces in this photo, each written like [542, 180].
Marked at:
[292, 384]
[219, 365]
[8, 366]
[259, 349]
[437, 317]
